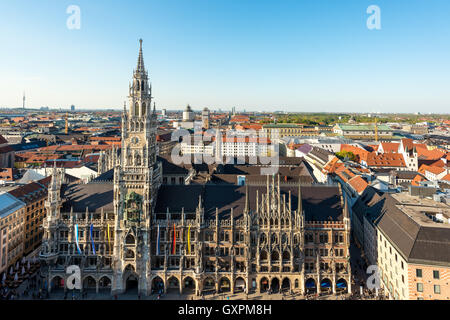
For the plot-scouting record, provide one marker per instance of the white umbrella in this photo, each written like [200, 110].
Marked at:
[23, 270]
[16, 277]
[17, 265]
[11, 270]
[28, 265]
[23, 260]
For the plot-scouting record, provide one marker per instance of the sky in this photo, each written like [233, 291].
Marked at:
[255, 55]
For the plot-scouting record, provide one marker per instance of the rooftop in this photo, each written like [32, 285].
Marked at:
[9, 204]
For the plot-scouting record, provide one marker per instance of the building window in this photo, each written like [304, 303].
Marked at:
[435, 274]
[419, 273]
[437, 289]
[420, 287]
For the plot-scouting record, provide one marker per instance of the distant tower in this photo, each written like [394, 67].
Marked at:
[188, 114]
[23, 102]
[67, 124]
[72, 108]
[205, 118]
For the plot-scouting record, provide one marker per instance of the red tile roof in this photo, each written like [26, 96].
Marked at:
[385, 160]
[435, 170]
[390, 147]
[407, 143]
[332, 165]
[29, 189]
[358, 184]
[425, 154]
[360, 153]
[417, 179]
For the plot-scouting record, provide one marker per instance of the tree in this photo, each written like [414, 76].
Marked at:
[347, 155]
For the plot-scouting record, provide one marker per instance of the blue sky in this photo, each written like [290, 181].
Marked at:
[292, 55]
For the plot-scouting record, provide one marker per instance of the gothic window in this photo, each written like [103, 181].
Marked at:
[275, 256]
[262, 238]
[129, 239]
[286, 255]
[284, 238]
[137, 160]
[129, 254]
[263, 255]
[136, 109]
[142, 85]
[274, 238]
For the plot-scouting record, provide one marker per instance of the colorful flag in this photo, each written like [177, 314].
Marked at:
[109, 239]
[92, 238]
[76, 238]
[189, 239]
[157, 243]
[174, 239]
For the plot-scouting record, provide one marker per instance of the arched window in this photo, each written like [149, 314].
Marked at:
[142, 85]
[262, 238]
[137, 160]
[275, 256]
[144, 108]
[263, 255]
[129, 254]
[129, 239]
[136, 109]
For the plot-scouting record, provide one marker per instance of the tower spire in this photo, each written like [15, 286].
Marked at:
[140, 64]
[299, 204]
[247, 206]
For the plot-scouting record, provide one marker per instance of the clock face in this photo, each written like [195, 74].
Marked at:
[135, 140]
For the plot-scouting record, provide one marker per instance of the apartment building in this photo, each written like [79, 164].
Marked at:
[413, 253]
[11, 230]
[33, 195]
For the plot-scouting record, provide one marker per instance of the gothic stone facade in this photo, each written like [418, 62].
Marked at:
[136, 233]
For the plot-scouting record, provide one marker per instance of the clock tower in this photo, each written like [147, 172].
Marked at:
[136, 181]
